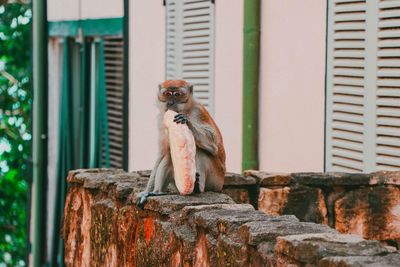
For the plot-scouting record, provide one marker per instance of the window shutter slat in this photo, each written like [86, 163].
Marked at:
[363, 86]
[388, 87]
[113, 54]
[190, 46]
[346, 86]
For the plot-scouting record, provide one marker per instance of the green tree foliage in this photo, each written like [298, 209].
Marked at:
[15, 130]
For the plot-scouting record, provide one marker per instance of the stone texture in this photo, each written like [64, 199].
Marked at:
[270, 179]
[347, 179]
[170, 203]
[309, 249]
[239, 195]
[373, 212]
[103, 227]
[272, 201]
[307, 203]
[385, 178]
[254, 233]
[237, 179]
[389, 260]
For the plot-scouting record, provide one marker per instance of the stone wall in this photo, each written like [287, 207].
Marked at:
[363, 204]
[103, 227]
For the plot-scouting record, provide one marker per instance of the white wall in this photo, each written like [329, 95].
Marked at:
[147, 64]
[84, 9]
[292, 85]
[228, 78]
[91, 9]
[63, 9]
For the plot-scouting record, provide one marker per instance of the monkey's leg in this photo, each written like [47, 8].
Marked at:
[214, 180]
[150, 184]
[160, 181]
[164, 174]
[201, 171]
[142, 197]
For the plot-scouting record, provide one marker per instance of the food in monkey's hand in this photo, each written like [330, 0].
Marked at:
[183, 153]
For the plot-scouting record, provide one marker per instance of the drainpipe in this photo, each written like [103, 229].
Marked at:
[125, 164]
[39, 141]
[251, 60]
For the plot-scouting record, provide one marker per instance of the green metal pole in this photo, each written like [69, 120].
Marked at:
[39, 31]
[251, 60]
[125, 163]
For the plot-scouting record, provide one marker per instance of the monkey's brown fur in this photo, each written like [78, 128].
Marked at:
[177, 95]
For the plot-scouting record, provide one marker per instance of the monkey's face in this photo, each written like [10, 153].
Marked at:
[175, 98]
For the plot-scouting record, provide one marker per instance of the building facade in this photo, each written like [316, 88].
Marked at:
[329, 87]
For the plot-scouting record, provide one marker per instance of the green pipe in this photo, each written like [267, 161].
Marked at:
[251, 62]
[125, 163]
[39, 137]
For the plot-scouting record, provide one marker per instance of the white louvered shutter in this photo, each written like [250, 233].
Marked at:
[190, 46]
[362, 124]
[345, 84]
[113, 64]
[388, 87]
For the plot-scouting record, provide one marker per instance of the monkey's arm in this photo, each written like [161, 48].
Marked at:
[204, 136]
[203, 132]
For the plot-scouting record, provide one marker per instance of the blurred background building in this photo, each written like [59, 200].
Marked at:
[328, 90]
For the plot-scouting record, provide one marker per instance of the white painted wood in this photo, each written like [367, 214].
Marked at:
[345, 84]
[371, 44]
[388, 87]
[190, 46]
[363, 86]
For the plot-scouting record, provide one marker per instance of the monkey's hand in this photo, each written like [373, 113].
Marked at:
[181, 118]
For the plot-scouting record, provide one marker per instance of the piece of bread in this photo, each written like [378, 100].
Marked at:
[183, 152]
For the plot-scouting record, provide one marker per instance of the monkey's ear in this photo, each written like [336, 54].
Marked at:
[159, 86]
[190, 88]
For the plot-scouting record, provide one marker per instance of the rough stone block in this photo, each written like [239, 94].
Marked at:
[389, 260]
[347, 179]
[307, 203]
[239, 195]
[237, 179]
[373, 212]
[103, 233]
[331, 178]
[309, 249]
[385, 178]
[77, 223]
[169, 203]
[270, 179]
[272, 201]
[226, 220]
[81, 175]
[254, 233]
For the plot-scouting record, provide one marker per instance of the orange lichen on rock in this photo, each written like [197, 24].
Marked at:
[149, 229]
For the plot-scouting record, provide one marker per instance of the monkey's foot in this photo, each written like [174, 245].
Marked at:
[180, 118]
[143, 196]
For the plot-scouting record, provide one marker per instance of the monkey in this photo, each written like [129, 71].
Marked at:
[177, 95]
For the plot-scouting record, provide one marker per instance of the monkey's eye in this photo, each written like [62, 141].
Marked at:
[168, 93]
[177, 94]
